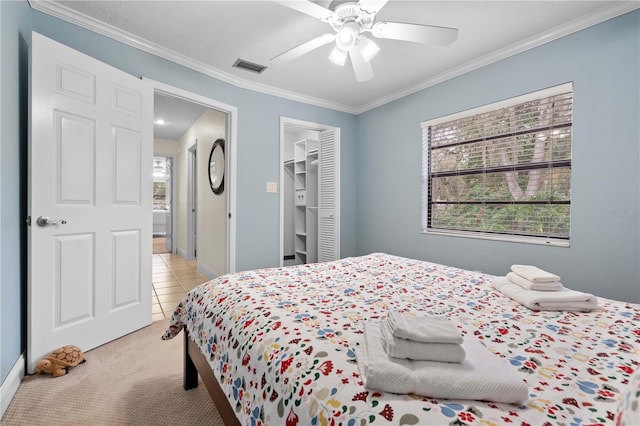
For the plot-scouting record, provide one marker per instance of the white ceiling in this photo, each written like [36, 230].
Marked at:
[210, 36]
[178, 116]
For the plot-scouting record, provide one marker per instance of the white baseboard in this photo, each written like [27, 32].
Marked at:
[183, 254]
[11, 383]
[209, 273]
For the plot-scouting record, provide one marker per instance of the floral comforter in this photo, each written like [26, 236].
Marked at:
[281, 343]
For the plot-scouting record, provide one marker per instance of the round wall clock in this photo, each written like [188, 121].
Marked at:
[216, 167]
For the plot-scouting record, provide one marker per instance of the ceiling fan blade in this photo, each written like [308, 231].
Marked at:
[361, 68]
[415, 32]
[372, 6]
[308, 8]
[304, 48]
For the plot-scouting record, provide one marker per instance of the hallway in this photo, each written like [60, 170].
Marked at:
[172, 277]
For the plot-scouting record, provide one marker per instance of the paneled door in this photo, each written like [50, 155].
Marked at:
[90, 198]
[168, 233]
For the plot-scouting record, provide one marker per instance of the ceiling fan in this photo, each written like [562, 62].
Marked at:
[350, 21]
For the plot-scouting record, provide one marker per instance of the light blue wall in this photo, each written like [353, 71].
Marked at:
[258, 152]
[258, 147]
[604, 257]
[15, 27]
[380, 156]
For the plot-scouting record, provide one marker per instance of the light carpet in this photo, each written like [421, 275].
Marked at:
[134, 380]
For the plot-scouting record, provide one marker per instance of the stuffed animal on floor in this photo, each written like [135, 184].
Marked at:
[59, 361]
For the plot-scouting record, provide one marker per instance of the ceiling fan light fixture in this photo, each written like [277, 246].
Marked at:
[347, 36]
[368, 48]
[159, 172]
[338, 56]
[350, 21]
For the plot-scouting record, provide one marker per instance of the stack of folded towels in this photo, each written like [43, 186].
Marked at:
[435, 339]
[427, 355]
[540, 290]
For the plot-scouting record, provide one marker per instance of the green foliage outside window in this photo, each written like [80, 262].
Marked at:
[506, 171]
[159, 194]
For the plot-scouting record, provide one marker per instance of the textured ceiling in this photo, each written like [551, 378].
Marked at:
[211, 35]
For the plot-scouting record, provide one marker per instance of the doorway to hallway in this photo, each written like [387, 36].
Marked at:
[162, 205]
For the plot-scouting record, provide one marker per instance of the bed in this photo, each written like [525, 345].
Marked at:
[277, 347]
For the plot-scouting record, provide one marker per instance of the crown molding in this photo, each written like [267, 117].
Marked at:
[67, 14]
[538, 40]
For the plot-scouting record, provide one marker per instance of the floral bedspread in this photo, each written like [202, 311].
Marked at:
[281, 343]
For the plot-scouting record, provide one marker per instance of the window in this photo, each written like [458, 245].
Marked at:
[502, 171]
[160, 195]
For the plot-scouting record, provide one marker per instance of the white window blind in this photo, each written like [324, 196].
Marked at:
[502, 170]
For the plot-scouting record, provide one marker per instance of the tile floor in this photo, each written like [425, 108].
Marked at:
[173, 277]
[159, 245]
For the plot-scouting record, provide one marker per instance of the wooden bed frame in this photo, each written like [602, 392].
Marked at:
[196, 363]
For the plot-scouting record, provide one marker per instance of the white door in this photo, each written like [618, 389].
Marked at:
[169, 201]
[90, 174]
[328, 196]
[192, 224]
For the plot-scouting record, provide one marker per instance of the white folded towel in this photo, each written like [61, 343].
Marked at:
[428, 329]
[530, 285]
[398, 347]
[481, 376]
[561, 300]
[535, 274]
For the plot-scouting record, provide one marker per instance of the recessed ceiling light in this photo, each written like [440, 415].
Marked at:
[160, 122]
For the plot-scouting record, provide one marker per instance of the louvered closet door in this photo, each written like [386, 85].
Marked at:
[328, 197]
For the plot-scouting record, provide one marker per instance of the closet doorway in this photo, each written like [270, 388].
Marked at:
[310, 192]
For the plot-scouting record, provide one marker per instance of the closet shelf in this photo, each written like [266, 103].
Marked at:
[302, 191]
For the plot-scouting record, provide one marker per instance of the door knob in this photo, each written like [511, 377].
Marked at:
[45, 221]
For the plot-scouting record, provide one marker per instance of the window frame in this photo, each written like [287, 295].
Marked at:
[426, 215]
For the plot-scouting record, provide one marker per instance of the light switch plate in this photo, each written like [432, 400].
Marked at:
[272, 187]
